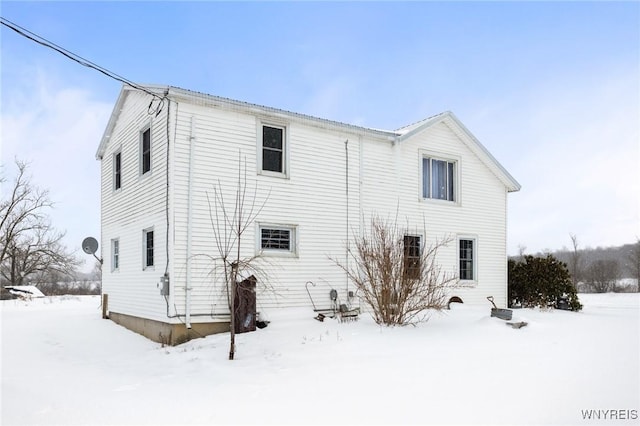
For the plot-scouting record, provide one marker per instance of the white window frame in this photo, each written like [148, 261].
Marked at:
[141, 171]
[144, 249]
[115, 254]
[115, 154]
[456, 177]
[285, 148]
[293, 240]
[474, 270]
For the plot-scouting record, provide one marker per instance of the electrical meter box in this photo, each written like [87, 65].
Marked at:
[164, 285]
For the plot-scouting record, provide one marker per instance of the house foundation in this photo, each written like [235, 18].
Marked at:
[166, 333]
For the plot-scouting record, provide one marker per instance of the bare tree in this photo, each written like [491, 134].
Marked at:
[39, 251]
[575, 261]
[28, 243]
[398, 282]
[522, 250]
[602, 275]
[230, 220]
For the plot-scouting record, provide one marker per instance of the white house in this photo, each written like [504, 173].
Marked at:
[165, 149]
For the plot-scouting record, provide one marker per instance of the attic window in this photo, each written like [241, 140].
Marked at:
[438, 179]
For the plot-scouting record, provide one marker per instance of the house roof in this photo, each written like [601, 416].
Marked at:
[396, 136]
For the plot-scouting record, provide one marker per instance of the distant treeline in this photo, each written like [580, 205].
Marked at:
[600, 269]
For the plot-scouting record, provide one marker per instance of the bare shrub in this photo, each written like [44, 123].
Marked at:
[602, 275]
[396, 279]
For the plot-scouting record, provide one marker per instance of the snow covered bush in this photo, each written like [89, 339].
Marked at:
[541, 282]
[396, 275]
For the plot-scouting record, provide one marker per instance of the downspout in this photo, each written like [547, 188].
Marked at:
[187, 287]
[360, 183]
[346, 255]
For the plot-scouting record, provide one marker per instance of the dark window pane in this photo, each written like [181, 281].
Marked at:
[149, 246]
[276, 239]
[146, 151]
[118, 168]
[272, 137]
[466, 259]
[272, 149]
[272, 160]
[412, 256]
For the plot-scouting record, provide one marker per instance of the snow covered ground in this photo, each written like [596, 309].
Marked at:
[63, 364]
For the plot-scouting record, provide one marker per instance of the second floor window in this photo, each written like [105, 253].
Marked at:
[117, 171]
[273, 149]
[145, 152]
[438, 179]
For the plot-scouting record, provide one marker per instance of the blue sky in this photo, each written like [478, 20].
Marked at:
[552, 89]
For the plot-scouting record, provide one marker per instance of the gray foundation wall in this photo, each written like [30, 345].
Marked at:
[165, 333]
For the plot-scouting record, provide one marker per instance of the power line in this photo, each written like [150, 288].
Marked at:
[80, 60]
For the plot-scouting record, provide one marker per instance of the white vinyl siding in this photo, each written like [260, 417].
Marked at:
[137, 205]
[392, 187]
[326, 196]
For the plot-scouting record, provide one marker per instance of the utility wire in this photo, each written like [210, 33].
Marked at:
[82, 61]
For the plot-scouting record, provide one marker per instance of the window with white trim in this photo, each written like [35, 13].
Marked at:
[145, 151]
[115, 254]
[275, 239]
[117, 170]
[273, 149]
[438, 179]
[147, 248]
[467, 259]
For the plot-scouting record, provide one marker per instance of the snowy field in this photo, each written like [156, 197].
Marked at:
[63, 364]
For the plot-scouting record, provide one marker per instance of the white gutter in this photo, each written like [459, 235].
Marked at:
[187, 287]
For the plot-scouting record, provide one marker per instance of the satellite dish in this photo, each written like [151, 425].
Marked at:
[90, 245]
